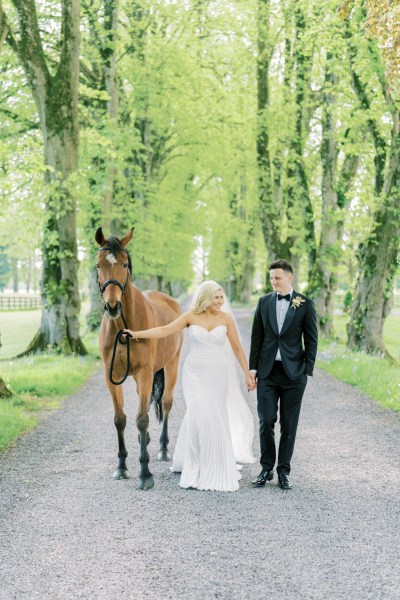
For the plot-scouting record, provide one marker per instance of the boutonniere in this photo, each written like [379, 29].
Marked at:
[296, 302]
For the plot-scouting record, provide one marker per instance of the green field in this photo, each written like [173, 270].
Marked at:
[17, 329]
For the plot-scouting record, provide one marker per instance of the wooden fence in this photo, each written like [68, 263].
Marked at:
[18, 302]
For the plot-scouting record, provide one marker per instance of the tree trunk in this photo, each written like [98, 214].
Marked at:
[15, 275]
[29, 265]
[241, 249]
[241, 282]
[104, 217]
[59, 327]
[334, 188]
[379, 261]
[378, 256]
[360, 88]
[96, 311]
[4, 391]
[244, 282]
[269, 211]
[56, 98]
[108, 54]
[322, 283]
[293, 202]
[297, 195]
[159, 283]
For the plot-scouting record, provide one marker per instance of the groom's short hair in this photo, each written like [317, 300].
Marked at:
[281, 263]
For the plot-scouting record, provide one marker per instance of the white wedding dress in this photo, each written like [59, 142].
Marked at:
[241, 422]
[204, 452]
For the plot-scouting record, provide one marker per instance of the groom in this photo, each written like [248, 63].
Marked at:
[283, 320]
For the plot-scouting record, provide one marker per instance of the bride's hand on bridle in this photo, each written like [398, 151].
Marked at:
[128, 332]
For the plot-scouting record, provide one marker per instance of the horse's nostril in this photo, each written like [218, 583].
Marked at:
[113, 311]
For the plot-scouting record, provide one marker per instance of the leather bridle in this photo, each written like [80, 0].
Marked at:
[103, 286]
[121, 337]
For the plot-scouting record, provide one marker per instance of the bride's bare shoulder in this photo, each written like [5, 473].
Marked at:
[228, 320]
[190, 317]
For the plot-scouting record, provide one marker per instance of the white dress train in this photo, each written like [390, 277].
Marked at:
[204, 453]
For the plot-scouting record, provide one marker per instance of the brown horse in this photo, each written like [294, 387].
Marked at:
[152, 363]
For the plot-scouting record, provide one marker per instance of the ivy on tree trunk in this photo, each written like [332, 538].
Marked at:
[56, 98]
[379, 261]
[4, 391]
[379, 254]
[269, 209]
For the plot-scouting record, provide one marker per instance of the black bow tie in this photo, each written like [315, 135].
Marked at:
[287, 297]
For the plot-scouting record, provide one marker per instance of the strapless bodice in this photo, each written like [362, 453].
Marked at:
[204, 342]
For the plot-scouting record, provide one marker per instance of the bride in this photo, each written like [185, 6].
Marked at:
[205, 450]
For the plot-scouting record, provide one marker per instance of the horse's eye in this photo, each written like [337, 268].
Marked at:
[97, 267]
[125, 265]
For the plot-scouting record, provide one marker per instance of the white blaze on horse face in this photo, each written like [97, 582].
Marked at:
[111, 258]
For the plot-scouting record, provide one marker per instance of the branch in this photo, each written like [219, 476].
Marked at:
[69, 55]
[5, 31]
[4, 27]
[15, 117]
[93, 25]
[88, 72]
[29, 46]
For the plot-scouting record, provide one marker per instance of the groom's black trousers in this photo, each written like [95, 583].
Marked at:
[276, 389]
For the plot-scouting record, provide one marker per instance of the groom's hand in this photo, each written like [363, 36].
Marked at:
[253, 380]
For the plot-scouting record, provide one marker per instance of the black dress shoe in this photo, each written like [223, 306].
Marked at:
[262, 478]
[284, 482]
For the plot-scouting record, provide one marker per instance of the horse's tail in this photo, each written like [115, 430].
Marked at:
[157, 392]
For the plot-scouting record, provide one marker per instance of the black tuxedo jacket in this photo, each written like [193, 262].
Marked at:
[300, 325]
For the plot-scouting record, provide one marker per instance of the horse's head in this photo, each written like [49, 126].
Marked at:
[113, 269]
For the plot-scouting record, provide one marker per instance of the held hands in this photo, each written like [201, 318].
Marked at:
[251, 381]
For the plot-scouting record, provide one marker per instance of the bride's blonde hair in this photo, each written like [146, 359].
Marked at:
[204, 296]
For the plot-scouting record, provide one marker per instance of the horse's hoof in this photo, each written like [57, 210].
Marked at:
[164, 455]
[145, 483]
[121, 474]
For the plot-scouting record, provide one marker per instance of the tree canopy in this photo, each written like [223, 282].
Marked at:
[228, 133]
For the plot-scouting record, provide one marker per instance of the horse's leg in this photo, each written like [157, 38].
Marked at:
[144, 381]
[120, 423]
[171, 375]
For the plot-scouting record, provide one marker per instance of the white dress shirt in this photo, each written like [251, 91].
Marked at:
[282, 306]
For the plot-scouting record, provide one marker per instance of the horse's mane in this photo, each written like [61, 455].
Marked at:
[116, 246]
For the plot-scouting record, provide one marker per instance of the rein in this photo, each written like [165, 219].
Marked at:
[122, 338]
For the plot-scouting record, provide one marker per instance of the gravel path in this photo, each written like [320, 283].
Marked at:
[68, 530]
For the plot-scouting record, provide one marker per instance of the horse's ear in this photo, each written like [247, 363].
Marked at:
[127, 238]
[100, 239]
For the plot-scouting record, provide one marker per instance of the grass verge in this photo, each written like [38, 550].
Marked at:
[376, 377]
[38, 383]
